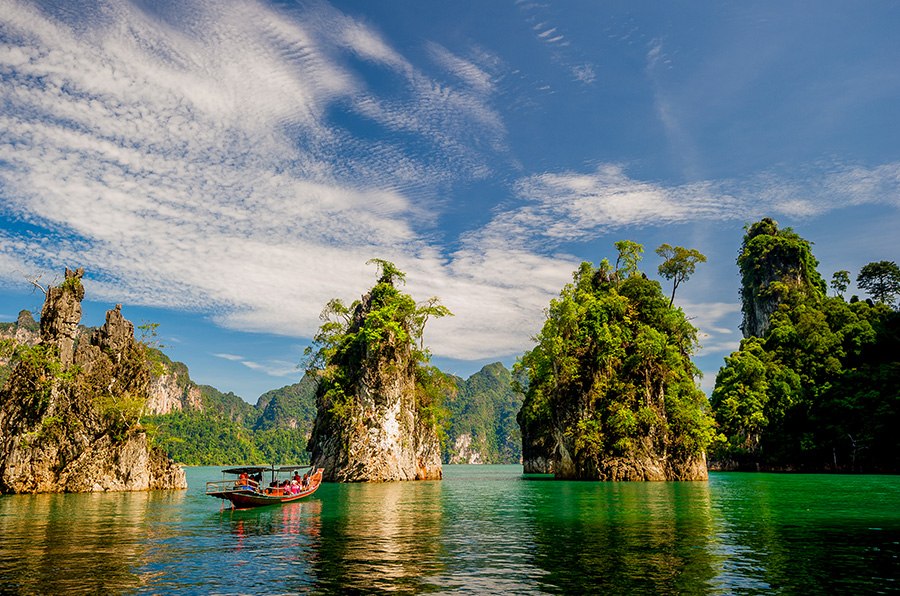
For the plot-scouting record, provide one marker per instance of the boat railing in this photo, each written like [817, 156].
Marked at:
[223, 485]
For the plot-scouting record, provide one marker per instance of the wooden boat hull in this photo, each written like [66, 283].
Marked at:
[246, 497]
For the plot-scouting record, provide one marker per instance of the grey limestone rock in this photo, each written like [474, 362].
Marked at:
[68, 414]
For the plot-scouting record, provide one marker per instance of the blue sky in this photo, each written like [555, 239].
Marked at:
[225, 168]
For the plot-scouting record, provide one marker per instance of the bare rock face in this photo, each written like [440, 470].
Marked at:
[169, 392]
[69, 412]
[381, 437]
[464, 452]
[381, 440]
[61, 315]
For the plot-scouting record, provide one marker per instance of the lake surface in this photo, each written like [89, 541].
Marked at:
[483, 529]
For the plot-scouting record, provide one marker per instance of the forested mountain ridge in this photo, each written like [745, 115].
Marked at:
[482, 419]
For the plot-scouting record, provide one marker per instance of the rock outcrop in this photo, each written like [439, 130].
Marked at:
[70, 408]
[773, 263]
[173, 391]
[370, 425]
[611, 392]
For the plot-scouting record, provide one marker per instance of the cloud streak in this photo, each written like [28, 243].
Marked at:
[235, 160]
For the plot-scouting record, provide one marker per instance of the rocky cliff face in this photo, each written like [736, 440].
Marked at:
[378, 432]
[171, 392]
[69, 410]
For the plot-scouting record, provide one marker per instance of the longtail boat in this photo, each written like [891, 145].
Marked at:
[247, 490]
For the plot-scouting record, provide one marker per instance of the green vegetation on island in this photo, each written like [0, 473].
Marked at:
[611, 388]
[482, 425]
[815, 384]
[224, 429]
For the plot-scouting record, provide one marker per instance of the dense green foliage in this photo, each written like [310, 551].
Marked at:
[774, 263]
[612, 370]
[197, 438]
[228, 430]
[383, 330]
[484, 410]
[821, 388]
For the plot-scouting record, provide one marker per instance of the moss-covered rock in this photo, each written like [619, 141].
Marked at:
[378, 403]
[611, 388]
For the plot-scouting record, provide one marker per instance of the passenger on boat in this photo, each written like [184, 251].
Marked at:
[305, 481]
[295, 487]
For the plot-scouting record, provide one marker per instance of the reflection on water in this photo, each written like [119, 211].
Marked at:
[484, 529]
[624, 537]
[77, 543]
[381, 537]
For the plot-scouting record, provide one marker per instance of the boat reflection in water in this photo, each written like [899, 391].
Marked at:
[483, 529]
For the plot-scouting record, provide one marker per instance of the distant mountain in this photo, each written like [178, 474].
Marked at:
[200, 425]
[483, 426]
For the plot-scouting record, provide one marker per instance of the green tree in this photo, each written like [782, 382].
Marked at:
[386, 322]
[880, 279]
[840, 281]
[630, 254]
[817, 389]
[679, 264]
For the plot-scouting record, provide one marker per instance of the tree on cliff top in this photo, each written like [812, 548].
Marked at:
[679, 264]
[611, 382]
[881, 280]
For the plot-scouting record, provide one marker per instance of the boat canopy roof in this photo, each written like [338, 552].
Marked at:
[291, 468]
[258, 469]
[247, 470]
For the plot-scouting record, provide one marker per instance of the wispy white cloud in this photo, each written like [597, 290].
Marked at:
[195, 163]
[584, 73]
[192, 163]
[273, 368]
[713, 320]
[230, 357]
[566, 207]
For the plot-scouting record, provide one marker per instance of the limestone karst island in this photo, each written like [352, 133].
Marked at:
[609, 391]
[70, 409]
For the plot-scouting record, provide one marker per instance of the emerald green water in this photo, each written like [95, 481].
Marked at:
[483, 529]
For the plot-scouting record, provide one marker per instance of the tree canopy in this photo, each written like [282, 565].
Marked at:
[385, 321]
[611, 372]
[679, 264]
[880, 279]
